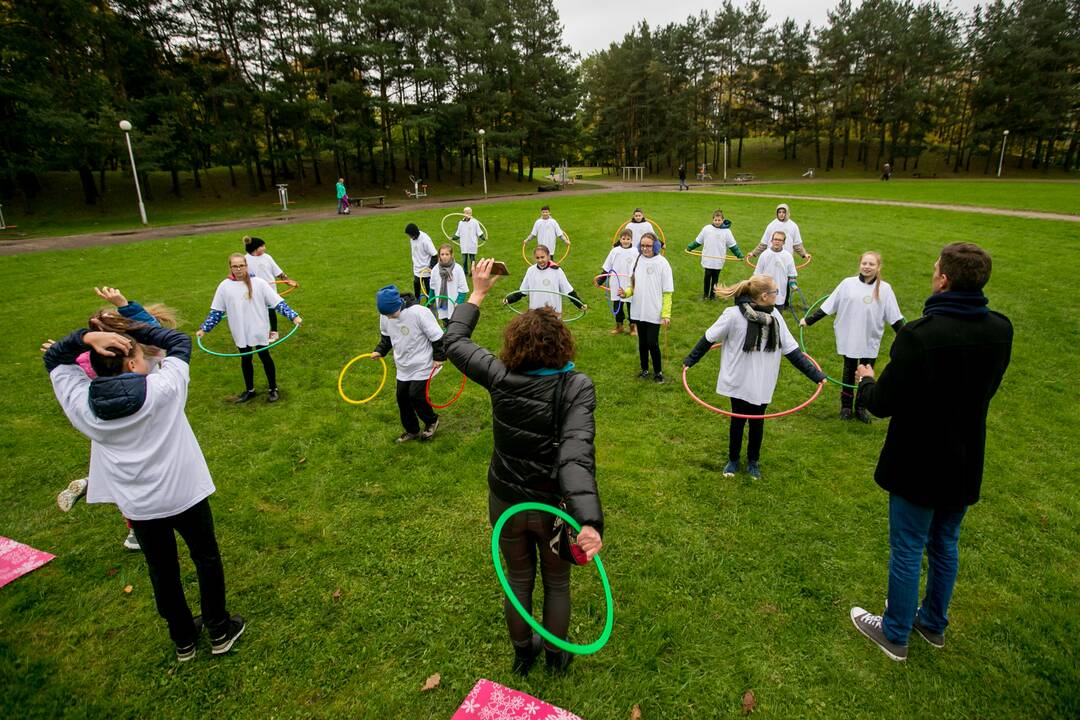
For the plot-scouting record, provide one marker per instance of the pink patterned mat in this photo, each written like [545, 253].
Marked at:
[17, 559]
[491, 701]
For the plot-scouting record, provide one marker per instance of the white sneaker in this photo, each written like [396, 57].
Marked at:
[131, 542]
[70, 495]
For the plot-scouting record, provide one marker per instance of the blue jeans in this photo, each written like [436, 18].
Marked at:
[911, 529]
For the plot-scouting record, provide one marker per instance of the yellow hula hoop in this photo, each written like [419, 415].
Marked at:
[710, 257]
[448, 236]
[525, 256]
[341, 377]
[656, 226]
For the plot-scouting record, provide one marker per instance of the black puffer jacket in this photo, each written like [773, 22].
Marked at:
[527, 464]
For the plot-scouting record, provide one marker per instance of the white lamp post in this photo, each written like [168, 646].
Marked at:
[126, 127]
[483, 157]
[1001, 160]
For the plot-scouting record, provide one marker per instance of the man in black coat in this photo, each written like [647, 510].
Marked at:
[943, 370]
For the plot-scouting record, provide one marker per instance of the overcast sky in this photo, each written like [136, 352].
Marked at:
[593, 24]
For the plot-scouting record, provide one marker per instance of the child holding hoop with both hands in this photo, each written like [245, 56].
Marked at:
[863, 305]
[618, 266]
[244, 299]
[754, 336]
[545, 283]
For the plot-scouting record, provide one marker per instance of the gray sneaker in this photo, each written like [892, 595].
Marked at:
[935, 639]
[69, 495]
[870, 626]
[131, 542]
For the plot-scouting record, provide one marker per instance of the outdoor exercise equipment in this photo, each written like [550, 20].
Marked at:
[420, 190]
[341, 378]
[427, 390]
[609, 618]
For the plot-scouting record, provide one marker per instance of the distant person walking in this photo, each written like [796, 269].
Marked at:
[944, 369]
[682, 177]
[886, 172]
[342, 198]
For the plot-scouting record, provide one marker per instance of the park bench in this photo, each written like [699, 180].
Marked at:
[744, 177]
[359, 201]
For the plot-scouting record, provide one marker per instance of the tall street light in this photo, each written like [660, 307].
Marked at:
[483, 157]
[126, 127]
[1001, 161]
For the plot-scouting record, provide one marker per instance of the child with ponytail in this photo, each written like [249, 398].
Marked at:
[863, 305]
[754, 336]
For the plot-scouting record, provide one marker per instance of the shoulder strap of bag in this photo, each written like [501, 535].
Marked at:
[558, 414]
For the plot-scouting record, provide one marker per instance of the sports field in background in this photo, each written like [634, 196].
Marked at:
[363, 567]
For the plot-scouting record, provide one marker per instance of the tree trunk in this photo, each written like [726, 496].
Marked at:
[90, 191]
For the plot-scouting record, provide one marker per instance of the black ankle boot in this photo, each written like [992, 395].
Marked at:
[525, 658]
[558, 661]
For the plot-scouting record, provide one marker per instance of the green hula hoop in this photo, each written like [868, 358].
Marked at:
[802, 344]
[249, 352]
[609, 620]
[433, 298]
[580, 315]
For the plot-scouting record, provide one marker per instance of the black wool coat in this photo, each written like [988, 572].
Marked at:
[528, 462]
[942, 372]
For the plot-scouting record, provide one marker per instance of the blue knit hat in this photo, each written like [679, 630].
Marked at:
[388, 300]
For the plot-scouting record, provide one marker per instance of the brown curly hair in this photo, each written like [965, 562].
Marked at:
[536, 339]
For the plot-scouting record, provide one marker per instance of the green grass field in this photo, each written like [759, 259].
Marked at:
[1055, 197]
[721, 585]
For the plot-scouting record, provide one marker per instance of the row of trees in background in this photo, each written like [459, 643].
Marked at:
[272, 88]
[879, 82]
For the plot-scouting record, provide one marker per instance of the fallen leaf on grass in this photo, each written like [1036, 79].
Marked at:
[635, 714]
[749, 702]
[336, 594]
[128, 589]
[431, 683]
[112, 571]
[301, 461]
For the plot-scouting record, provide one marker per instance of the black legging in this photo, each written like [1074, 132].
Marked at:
[412, 403]
[847, 395]
[421, 285]
[712, 276]
[523, 536]
[757, 430]
[622, 310]
[248, 368]
[273, 319]
[648, 343]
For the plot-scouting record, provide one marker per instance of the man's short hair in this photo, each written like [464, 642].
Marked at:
[966, 265]
[781, 233]
[545, 207]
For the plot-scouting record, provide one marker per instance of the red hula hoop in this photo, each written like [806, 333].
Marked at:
[427, 391]
[766, 416]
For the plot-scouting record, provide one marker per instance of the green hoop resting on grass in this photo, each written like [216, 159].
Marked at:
[573, 300]
[802, 344]
[280, 340]
[609, 620]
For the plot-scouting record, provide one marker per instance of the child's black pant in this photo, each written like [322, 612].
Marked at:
[847, 395]
[158, 543]
[622, 310]
[712, 276]
[467, 259]
[273, 320]
[648, 343]
[757, 430]
[247, 366]
[421, 285]
[412, 404]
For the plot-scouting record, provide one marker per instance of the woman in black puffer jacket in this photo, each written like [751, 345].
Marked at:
[542, 453]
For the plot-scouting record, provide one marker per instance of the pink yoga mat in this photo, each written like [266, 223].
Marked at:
[17, 559]
[491, 701]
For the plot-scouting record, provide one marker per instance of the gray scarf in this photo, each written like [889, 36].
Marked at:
[761, 332]
[445, 272]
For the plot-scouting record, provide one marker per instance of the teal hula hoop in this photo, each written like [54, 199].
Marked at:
[433, 298]
[609, 620]
[802, 344]
[573, 301]
[202, 347]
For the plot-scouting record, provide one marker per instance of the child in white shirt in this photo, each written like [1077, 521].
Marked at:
[469, 234]
[618, 266]
[777, 263]
[261, 265]
[424, 257]
[447, 280]
[714, 240]
[546, 231]
[545, 283]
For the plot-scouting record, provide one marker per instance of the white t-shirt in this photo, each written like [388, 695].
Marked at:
[468, 234]
[551, 279]
[714, 246]
[652, 279]
[149, 463]
[620, 261]
[790, 229]
[639, 229]
[781, 266]
[458, 284]
[264, 267]
[749, 376]
[422, 250]
[546, 233]
[861, 320]
[411, 333]
[248, 321]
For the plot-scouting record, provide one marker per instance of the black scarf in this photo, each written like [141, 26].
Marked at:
[962, 303]
[761, 331]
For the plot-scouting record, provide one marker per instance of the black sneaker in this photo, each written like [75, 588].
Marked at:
[233, 629]
[935, 639]
[406, 437]
[429, 430]
[184, 653]
[845, 413]
[273, 396]
[644, 374]
[658, 378]
[525, 658]
[244, 397]
[558, 661]
[870, 626]
[862, 415]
